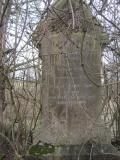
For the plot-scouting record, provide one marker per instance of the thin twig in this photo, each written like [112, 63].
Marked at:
[73, 15]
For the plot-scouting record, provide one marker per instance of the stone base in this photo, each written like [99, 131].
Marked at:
[88, 151]
[97, 157]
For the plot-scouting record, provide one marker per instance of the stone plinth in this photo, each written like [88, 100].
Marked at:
[88, 151]
[97, 157]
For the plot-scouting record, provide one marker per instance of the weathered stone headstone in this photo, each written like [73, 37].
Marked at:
[69, 40]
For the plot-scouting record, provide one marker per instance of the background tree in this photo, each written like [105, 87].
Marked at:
[4, 15]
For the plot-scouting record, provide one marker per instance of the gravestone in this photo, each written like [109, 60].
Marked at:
[71, 67]
[70, 42]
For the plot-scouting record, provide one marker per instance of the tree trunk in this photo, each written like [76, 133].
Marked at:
[2, 82]
[4, 6]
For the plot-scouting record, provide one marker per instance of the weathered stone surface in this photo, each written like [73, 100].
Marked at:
[97, 157]
[86, 151]
[71, 77]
